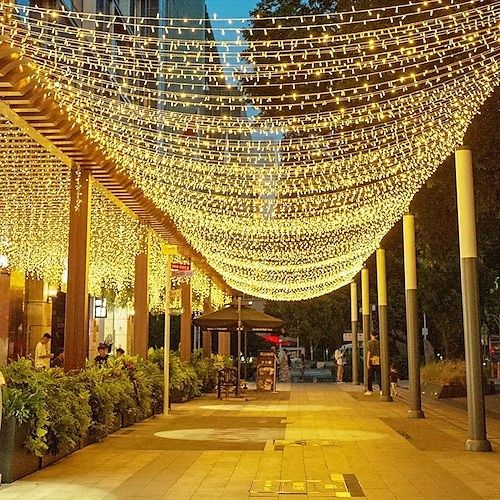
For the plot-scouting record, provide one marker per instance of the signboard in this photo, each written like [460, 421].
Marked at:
[348, 336]
[266, 371]
[181, 270]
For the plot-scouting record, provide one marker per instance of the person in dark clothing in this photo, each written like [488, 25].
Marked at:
[58, 361]
[373, 362]
[102, 357]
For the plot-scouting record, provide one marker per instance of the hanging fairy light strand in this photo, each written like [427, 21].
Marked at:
[284, 149]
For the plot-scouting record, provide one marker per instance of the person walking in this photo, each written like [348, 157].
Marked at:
[394, 381]
[302, 366]
[42, 352]
[339, 358]
[373, 362]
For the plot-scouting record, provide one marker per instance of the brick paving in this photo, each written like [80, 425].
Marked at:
[307, 441]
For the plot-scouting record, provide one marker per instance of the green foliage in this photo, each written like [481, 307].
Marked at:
[205, 370]
[105, 398]
[444, 373]
[61, 408]
[68, 410]
[53, 403]
[184, 382]
[24, 399]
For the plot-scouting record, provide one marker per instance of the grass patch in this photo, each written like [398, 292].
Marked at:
[444, 373]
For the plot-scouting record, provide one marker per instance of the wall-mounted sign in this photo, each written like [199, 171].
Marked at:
[181, 270]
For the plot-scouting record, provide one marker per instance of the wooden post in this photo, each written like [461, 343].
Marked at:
[207, 335]
[141, 302]
[76, 336]
[185, 350]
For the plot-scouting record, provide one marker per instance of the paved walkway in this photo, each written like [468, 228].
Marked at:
[315, 440]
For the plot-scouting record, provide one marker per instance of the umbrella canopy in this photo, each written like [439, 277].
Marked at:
[227, 319]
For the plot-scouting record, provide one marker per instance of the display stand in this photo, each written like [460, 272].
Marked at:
[266, 371]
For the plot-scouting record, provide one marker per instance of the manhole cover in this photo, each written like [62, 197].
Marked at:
[340, 486]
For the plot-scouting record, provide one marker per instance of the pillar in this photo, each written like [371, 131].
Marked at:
[38, 312]
[76, 336]
[410, 266]
[477, 440]
[354, 330]
[382, 325]
[141, 301]
[224, 343]
[185, 350]
[365, 312]
[4, 316]
[207, 335]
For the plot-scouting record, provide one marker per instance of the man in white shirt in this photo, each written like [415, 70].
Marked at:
[42, 353]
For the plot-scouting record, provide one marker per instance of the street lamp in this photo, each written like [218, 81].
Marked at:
[240, 327]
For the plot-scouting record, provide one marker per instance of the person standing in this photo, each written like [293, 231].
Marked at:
[302, 366]
[42, 352]
[339, 358]
[373, 362]
[102, 357]
[58, 361]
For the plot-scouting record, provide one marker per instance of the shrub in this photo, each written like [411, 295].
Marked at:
[444, 373]
[206, 371]
[184, 383]
[55, 405]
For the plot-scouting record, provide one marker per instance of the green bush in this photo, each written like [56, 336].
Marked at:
[206, 370]
[55, 405]
[184, 383]
[444, 373]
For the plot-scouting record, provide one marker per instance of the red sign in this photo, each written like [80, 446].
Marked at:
[180, 269]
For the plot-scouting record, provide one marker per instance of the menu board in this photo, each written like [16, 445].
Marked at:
[266, 371]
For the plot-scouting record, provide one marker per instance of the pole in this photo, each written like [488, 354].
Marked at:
[470, 302]
[410, 264]
[238, 375]
[354, 330]
[168, 251]
[382, 325]
[245, 349]
[365, 313]
[166, 343]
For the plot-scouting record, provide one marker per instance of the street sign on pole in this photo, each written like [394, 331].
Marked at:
[348, 336]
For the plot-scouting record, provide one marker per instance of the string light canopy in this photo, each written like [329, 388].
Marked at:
[34, 222]
[284, 149]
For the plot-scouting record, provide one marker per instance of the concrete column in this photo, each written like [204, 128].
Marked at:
[365, 312]
[76, 335]
[382, 325]
[354, 330]
[470, 302]
[38, 312]
[410, 264]
[185, 351]
[141, 302]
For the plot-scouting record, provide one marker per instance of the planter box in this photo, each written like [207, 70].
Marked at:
[15, 461]
[437, 391]
[128, 419]
[48, 458]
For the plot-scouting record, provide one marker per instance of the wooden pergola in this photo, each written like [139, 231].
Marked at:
[25, 104]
